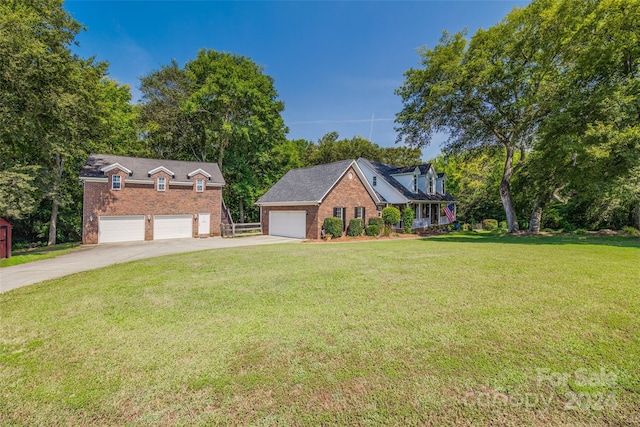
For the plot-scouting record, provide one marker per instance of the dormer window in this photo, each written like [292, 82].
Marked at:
[199, 185]
[415, 183]
[443, 190]
[116, 182]
[375, 181]
[161, 184]
[431, 185]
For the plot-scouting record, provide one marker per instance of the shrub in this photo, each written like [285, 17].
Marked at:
[523, 224]
[567, 227]
[407, 219]
[374, 220]
[580, 231]
[372, 230]
[466, 227]
[333, 226]
[489, 224]
[503, 224]
[390, 216]
[499, 231]
[631, 231]
[356, 226]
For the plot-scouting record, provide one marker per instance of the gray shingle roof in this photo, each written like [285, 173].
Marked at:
[387, 171]
[306, 184]
[424, 168]
[140, 167]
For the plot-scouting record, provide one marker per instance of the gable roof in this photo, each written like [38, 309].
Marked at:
[141, 167]
[386, 172]
[309, 186]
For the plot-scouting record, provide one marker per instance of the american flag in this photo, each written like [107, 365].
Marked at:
[448, 211]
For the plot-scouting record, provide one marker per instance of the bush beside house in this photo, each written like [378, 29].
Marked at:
[407, 219]
[356, 227]
[333, 227]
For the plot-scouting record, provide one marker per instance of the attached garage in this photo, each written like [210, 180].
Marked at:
[172, 227]
[120, 228]
[288, 224]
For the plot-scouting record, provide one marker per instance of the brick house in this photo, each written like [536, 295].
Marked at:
[298, 203]
[135, 199]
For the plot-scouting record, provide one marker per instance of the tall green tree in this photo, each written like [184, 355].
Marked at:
[219, 107]
[486, 91]
[588, 153]
[54, 107]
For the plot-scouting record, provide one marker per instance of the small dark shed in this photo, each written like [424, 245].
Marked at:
[5, 238]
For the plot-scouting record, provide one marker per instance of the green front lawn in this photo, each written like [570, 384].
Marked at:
[454, 330]
[23, 256]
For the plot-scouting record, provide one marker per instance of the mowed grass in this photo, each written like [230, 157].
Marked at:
[23, 256]
[457, 330]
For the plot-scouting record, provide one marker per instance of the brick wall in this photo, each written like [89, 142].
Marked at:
[312, 218]
[143, 199]
[349, 192]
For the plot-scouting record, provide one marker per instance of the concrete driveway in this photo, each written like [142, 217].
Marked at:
[96, 256]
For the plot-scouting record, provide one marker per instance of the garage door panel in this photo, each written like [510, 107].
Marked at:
[113, 229]
[288, 224]
[172, 227]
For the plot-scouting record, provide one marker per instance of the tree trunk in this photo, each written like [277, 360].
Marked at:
[55, 201]
[505, 192]
[53, 222]
[536, 217]
[241, 209]
[638, 216]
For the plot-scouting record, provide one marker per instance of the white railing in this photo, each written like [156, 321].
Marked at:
[421, 223]
[425, 222]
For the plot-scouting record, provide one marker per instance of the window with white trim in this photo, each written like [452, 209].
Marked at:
[162, 183]
[199, 185]
[431, 189]
[359, 212]
[443, 190]
[116, 182]
[341, 212]
[415, 183]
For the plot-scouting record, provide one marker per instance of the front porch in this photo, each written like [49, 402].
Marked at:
[429, 214]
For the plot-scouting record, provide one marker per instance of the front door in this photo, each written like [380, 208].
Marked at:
[204, 224]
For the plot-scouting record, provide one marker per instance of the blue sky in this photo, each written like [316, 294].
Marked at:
[335, 64]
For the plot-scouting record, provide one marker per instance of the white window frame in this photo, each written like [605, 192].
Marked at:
[415, 183]
[116, 182]
[359, 212]
[163, 186]
[199, 185]
[431, 185]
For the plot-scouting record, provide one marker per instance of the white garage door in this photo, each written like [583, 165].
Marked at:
[288, 224]
[172, 226]
[120, 229]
